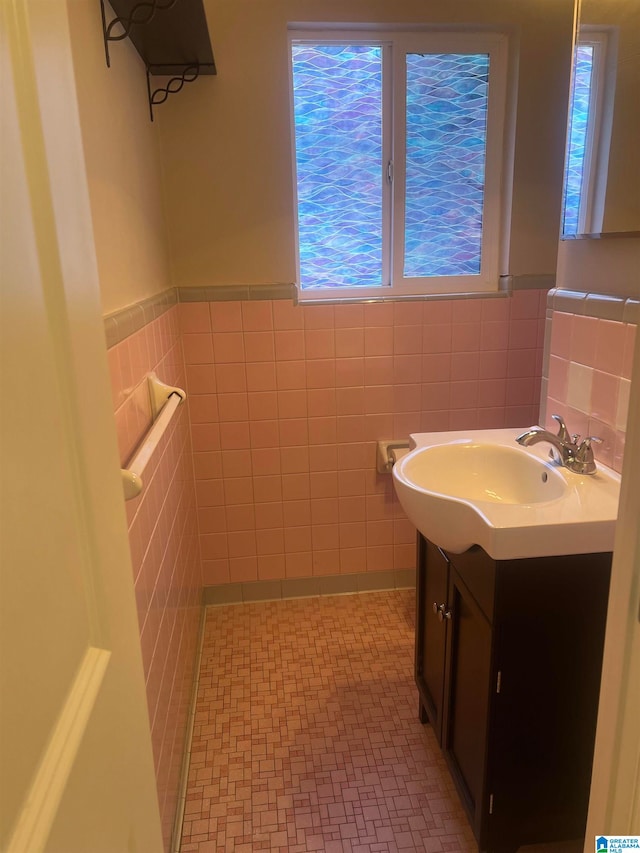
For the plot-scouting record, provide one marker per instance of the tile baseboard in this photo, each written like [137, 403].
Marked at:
[274, 590]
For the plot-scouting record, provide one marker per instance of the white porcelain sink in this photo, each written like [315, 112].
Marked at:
[482, 471]
[480, 487]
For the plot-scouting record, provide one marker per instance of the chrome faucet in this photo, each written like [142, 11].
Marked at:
[572, 453]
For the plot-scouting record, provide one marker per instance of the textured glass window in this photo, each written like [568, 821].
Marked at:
[577, 140]
[446, 125]
[337, 92]
[398, 155]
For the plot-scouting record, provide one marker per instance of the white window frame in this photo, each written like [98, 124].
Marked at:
[395, 45]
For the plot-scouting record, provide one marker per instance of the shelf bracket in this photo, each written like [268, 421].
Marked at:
[186, 74]
[141, 13]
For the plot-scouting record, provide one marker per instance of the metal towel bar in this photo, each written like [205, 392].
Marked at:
[165, 399]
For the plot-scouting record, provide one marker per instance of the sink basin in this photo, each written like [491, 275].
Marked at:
[480, 487]
[481, 471]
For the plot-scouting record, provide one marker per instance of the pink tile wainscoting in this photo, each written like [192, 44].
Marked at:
[589, 379]
[287, 403]
[164, 546]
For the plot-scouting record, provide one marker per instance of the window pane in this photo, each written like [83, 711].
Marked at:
[338, 129]
[447, 97]
[578, 126]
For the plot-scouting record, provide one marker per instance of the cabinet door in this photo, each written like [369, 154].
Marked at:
[550, 624]
[431, 633]
[468, 676]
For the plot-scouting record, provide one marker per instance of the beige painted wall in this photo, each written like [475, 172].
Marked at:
[610, 265]
[123, 165]
[225, 139]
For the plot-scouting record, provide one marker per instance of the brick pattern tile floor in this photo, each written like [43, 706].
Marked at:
[307, 735]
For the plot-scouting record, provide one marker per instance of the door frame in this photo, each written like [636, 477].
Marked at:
[93, 780]
[614, 805]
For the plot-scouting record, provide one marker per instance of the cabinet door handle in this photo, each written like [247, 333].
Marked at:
[444, 614]
[438, 609]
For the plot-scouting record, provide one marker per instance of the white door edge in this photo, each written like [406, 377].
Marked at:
[41, 803]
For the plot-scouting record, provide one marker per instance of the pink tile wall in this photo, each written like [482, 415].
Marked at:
[287, 403]
[589, 379]
[164, 545]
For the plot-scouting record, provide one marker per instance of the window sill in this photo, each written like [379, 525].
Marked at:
[506, 284]
[395, 297]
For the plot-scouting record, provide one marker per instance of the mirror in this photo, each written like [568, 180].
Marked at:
[604, 147]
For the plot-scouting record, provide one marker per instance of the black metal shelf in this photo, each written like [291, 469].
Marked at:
[171, 37]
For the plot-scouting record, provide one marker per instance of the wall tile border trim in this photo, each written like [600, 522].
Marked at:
[238, 593]
[121, 324]
[237, 293]
[602, 306]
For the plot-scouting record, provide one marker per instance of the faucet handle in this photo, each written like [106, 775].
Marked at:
[584, 452]
[563, 432]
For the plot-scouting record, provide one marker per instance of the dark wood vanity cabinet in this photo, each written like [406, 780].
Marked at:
[431, 589]
[508, 660]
